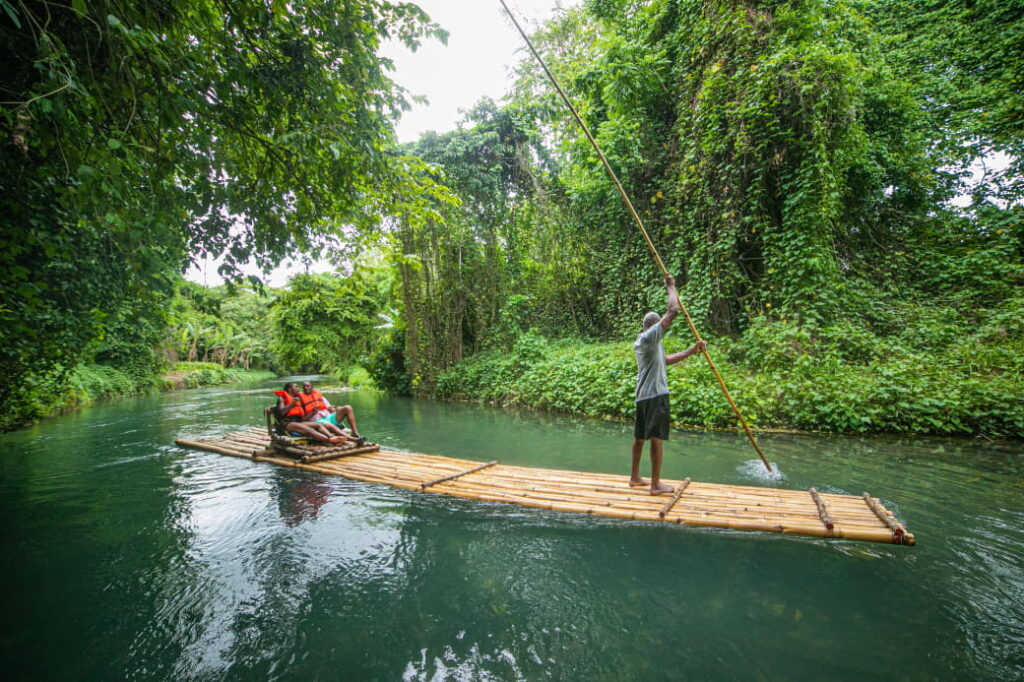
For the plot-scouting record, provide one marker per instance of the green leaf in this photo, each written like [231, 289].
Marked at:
[113, 143]
[12, 13]
[79, 6]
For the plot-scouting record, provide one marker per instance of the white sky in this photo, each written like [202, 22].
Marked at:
[482, 48]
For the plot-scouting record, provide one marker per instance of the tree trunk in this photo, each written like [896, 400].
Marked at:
[409, 300]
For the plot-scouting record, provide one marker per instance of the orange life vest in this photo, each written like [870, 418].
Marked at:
[312, 402]
[296, 410]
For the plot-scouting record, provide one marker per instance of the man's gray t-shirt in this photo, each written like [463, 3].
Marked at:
[651, 377]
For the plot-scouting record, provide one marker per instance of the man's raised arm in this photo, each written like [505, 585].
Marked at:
[673, 302]
[682, 355]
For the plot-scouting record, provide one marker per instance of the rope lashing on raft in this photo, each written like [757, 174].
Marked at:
[897, 528]
[639, 224]
[675, 498]
[822, 509]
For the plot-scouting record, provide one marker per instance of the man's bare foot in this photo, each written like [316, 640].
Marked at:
[638, 483]
[661, 488]
[338, 439]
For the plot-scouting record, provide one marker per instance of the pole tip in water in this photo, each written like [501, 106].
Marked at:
[755, 468]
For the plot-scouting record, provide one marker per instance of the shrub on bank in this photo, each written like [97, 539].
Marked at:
[50, 395]
[356, 377]
[197, 374]
[838, 380]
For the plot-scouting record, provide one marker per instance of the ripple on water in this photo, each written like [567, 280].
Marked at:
[473, 664]
[754, 469]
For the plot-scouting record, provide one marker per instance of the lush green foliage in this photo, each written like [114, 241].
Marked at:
[842, 379]
[769, 146]
[326, 322]
[794, 162]
[227, 325]
[962, 59]
[137, 135]
[196, 374]
[455, 262]
[357, 378]
[89, 383]
[387, 365]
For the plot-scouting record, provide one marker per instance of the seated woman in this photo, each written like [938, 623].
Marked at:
[316, 408]
[336, 417]
[290, 416]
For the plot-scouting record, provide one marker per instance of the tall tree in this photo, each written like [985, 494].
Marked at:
[964, 60]
[137, 135]
[324, 322]
[466, 259]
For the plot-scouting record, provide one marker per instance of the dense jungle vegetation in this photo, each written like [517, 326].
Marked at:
[837, 185]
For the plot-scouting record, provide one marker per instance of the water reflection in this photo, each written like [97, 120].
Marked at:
[139, 559]
[301, 498]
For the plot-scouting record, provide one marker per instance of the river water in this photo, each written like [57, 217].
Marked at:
[128, 557]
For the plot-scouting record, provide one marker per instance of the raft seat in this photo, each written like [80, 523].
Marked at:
[307, 450]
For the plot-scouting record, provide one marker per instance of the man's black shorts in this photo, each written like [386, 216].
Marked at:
[652, 418]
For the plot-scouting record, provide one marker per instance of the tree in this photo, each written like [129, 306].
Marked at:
[138, 135]
[325, 322]
[469, 255]
[769, 145]
[963, 59]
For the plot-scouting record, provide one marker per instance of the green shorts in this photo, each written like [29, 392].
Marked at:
[652, 418]
[329, 419]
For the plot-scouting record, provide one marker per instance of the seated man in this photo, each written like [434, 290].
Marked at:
[316, 408]
[314, 404]
[289, 415]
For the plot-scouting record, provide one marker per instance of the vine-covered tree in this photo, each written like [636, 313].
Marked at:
[463, 270]
[770, 144]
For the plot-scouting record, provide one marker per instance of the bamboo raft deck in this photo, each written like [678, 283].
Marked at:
[746, 508]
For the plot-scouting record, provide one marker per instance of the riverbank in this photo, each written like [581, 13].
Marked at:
[789, 381]
[87, 384]
[196, 374]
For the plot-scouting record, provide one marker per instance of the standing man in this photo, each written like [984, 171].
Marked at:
[652, 408]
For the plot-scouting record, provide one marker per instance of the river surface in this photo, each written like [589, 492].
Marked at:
[128, 557]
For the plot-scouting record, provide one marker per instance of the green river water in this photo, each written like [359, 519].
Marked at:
[128, 557]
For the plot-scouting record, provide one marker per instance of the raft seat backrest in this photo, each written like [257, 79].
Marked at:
[275, 427]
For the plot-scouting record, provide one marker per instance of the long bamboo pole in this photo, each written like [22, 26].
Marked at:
[643, 231]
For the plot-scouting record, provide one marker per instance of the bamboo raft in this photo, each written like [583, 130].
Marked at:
[745, 508]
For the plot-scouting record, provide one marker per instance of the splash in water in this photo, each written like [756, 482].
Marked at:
[754, 468]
